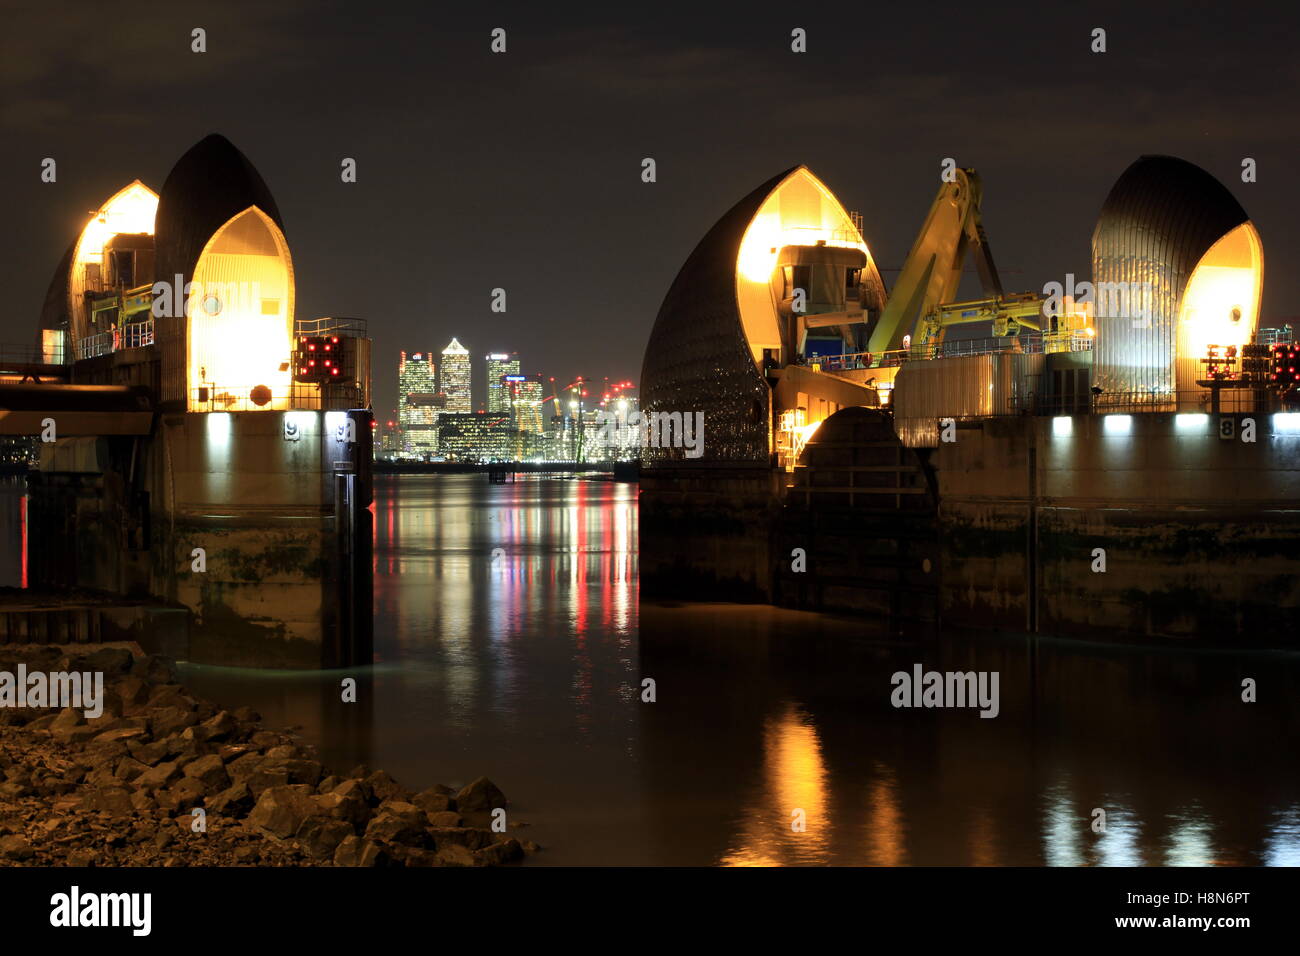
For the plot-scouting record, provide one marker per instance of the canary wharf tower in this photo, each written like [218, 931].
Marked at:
[454, 378]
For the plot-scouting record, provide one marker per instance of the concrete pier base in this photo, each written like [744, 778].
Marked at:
[1199, 535]
[257, 523]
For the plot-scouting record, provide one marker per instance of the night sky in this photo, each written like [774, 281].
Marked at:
[522, 170]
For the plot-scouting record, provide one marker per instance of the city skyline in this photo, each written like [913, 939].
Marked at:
[526, 404]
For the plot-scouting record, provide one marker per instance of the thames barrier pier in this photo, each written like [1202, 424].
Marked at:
[1119, 459]
[201, 447]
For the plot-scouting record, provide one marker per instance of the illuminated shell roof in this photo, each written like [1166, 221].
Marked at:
[128, 211]
[706, 345]
[1168, 208]
[208, 186]
[1162, 215]
[697, 357]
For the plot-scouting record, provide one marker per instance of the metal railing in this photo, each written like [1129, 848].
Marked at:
[1187, 401]
[133, 335]
[336, 396]
[1029, 343]
[27, 355]
[352, 328]
[1282, 336]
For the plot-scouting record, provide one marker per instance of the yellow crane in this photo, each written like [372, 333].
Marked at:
[921, 303]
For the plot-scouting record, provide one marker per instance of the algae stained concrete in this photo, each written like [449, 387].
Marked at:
[1200, 534]
[277, 504]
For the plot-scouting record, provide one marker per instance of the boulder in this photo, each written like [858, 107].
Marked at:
[235, 801]
[65, 721]
[159, 776]
[279, 771]
[348, 806]
[210, 772]
[435, 800]
[112, 800]
[320, 836]
[148, 754]
[111, 661]
[232, 752]
[481, 796]
[131, 690]
[357, 788]
[266, 740]
[221, 726]
[281, 810]
[122, 733]
[416, 856]
[507, 851]
[354, 851]
[186, 794]
[165, 721]
[103, 777]
[453, 854]
[242, 768]
[171, 695]
[79, 735]
[384, 787]
[128, 768]
[16, 848]
[398, 823]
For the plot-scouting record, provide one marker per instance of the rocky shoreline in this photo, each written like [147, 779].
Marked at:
[122, 789]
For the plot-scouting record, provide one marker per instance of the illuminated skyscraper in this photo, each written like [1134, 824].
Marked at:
[525, 397]
[454, 378]
[418, 403]
[499, 364]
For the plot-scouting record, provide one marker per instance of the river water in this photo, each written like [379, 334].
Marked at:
[511, 642]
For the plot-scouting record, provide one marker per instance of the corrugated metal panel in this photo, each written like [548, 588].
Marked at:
[697, 358]
[962, 387]
[1161, 217]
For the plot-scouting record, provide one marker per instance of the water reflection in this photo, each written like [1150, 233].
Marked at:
[790, 822]
[512, 642]
[886, 829]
